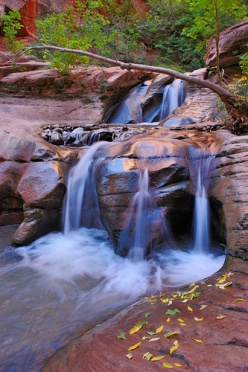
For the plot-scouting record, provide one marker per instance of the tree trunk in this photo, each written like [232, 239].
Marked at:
[236, 108]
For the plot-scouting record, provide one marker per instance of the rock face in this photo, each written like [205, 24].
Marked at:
[214, 338]
[170, 160]
[233, 43]
[32, 182]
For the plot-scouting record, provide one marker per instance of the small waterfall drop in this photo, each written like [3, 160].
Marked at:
[140, 106]
[78, 178]
[173, 97]
[140, 204]
[201, 239]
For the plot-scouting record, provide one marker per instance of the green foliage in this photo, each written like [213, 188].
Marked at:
[240, 86]
[11, 26]
[77, 27]
[171, 34]
[210, 17]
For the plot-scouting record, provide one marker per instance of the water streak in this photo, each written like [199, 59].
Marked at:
[202, 209]
[140, 205]
[76, 188]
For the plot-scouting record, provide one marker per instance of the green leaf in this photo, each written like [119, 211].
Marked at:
[172, 312]
[147, 314]
[121, 336]
[170, 334]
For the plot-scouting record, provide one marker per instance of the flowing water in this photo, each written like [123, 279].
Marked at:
[139, 107]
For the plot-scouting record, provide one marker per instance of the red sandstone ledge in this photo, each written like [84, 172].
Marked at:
[208, 339]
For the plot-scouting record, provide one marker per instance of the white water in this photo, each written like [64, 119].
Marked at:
[76, 188]
[202, 209]
[139, 223]
[64, 283]
[173, 96]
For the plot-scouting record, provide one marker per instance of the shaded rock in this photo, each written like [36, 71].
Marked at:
[230, 187]
[37, 222]
[232, 44]
[11, 203]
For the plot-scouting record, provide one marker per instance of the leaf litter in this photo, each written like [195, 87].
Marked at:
[184, 297]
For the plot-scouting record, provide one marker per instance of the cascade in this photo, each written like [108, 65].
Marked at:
[77, 185]
[138, 107]
[136, 227]
[173, 97]
[201, 209]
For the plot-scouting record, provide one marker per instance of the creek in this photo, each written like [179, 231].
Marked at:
[67, 282]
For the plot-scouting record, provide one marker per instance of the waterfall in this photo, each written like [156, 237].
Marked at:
[201, 209]
[77, 185]
[136, 229]
[142, 203]
[173, 96]
[141, 106]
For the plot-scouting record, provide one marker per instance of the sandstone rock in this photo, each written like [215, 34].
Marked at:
[11, 209]
[230, 187]
[232, 44]
[42, 189]
[166, 158]
[224, 341]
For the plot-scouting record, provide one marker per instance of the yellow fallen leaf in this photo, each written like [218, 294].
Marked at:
[198, 319]
[168, 320]
[222, 279]
[173, 348]
[156, 358]
[152, 301]
[145, 338]
[178, 365]
[159, 329]
[197, 340]
[154, 339]
[189, 308]
[219, 317]
[129, 356]
[182, 324]
[137, 327]
[180, 320]
[164, 300]
[239, 299]
[224, 285]
[203, 307]
[133, 347]
[167, 365]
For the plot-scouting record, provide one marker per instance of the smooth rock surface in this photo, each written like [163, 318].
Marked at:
[204, 344]
[233, 43]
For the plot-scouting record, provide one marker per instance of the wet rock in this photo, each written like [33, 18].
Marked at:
[37, 222]
[223, 343]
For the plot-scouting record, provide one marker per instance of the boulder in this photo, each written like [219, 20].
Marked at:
[233, 43]
[32, 186]
[167, 158]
